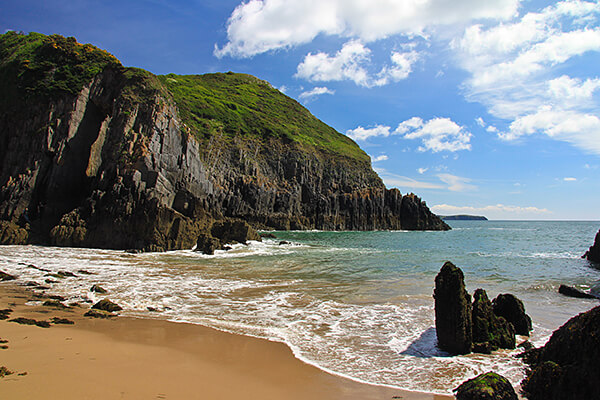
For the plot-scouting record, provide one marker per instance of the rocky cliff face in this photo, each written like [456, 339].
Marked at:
[111, 163]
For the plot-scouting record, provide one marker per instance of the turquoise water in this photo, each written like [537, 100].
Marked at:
[358, 304]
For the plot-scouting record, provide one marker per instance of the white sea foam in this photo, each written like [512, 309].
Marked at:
[282, 293]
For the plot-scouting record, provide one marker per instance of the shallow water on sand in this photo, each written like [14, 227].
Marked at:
[358, 304]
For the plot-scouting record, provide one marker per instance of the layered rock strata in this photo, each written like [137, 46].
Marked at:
[113, 165]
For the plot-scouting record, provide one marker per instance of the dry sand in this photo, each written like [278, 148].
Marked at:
[129, 358]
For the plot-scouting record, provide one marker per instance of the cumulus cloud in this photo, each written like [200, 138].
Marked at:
[361, 133]
[315, 92]
[381, 157]
[498, 211]
[516, 71]
[258, 26]
[352, 63]
[437, 134]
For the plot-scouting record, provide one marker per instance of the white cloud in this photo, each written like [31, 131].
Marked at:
[405, 183]
[569, 179]
[352, 63]
[498, 211]
[480, 122]
[516, 70]
[361, 133]
[317, 91]
[456, 183]
[381, 157]
[283, 89]
[422, 170]
[258, 26]
[437, 134]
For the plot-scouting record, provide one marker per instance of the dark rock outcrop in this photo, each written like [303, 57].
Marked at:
[107, 305]
[488, 327]
[512, 309]
[110, 160]
[488, 386]
[567, 366]
[574, 292]
[98, 289]
[452, 311]
[593, 254]
[207, 244]
[233, 231]
[6, 277]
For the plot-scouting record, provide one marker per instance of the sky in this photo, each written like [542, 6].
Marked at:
[479, 107]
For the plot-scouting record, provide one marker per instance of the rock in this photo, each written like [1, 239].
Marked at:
[42, 324]
[6, 277]
[284, 242]
[234, 231]
[488, 327]
[574, 292]
[489, 386]
[56, 297]
[107, 305]
[67, 274]
[4, 313]
[526, 345]
[84, 272]
[98, 314]
[23, 321]
[63, 321]
[5, 371]
[593, 254]
[452, 311]
[98, 289]
[512, 309]
[208, 244]
[106, 159]
[567, 366]
[268, 236]
[54, 303]
[50, 281]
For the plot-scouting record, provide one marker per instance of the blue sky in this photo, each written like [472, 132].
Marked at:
[481, 107]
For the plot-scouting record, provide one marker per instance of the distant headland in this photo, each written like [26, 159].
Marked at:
[463, 218]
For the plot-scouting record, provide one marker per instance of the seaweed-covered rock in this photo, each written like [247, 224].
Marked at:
[452, 310]
[107, 305]
[593, 254]
[512, 309]
[234, 231]
[6, 277]
[488, 327]
[574, 292]
[489, 386]
[567, 366]
[208, 244]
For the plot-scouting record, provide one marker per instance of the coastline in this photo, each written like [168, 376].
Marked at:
[133, 358]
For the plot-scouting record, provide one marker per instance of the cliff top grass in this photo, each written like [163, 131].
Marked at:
[47, 66]
[241, 105]
[224, 105]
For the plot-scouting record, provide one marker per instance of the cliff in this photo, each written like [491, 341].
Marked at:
[98, 155]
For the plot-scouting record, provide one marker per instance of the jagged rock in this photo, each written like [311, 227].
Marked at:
[593, 254]
[98, 314]
[567, 366]
[574, 292]
[488, 327]
[62, 321]
[6, 277]
[208, 244]
[55, 304]
[452, 311]
[512, 309]
[234, 231]
[488, 386]
[11, 233]
[107, 305]
[98, 289]
[106, 159]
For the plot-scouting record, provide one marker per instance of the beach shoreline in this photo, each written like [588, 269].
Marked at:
[134, 358]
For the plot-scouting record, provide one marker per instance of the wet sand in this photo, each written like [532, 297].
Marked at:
[129, 358]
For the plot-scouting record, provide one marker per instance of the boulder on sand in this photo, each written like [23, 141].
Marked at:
[489, 386]
[567, 366]
[488, 327]
[512, 309]
[452, 311]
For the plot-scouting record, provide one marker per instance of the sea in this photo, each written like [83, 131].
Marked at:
[355, 304]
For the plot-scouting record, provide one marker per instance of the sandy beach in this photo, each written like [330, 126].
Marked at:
[129, 358]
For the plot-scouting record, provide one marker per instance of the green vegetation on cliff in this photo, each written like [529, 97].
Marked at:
[243, 105]
[47, 66]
